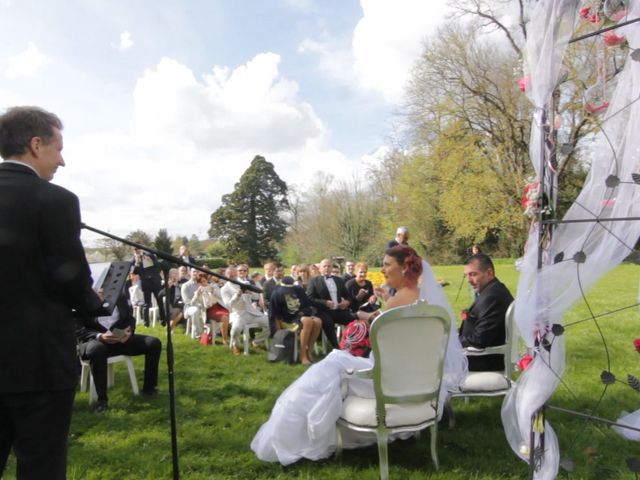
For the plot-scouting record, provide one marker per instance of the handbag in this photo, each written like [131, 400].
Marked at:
[206, 338]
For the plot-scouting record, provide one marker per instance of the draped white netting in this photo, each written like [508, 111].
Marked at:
[579, 253]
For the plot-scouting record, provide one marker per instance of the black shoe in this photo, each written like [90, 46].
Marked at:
[101, 407]
[150, 391]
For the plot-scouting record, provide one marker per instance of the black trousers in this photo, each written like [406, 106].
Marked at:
[97, 353]
[330, 318]
[147, 292]
[36, 426]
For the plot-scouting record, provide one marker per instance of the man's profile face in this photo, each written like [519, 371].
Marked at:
[48, 155]
[477, 278]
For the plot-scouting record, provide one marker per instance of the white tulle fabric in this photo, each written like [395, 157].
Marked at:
[303, 420]
[543, 296]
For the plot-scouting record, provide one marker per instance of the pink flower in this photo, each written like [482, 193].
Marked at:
[596, 108]
[595, 18]
[523, 83]
[611, 39]
[584, 12]
[636, 344]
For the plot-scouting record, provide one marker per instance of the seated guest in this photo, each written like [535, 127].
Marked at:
[269, 286]
[349, 270]
[483, 323]
[335, 270]
[402, 238]
[331, 300]
[289, 304]
[268, 272]
[187, 292]
[360, 289]
[96, 343]
[304, 275]
[243, 311]
[208, 296]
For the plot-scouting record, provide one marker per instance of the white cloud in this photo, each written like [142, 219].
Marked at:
[386, 41]
[250, 107]
[125, 41]
[300, 4]
[25, 64]
[389, 39]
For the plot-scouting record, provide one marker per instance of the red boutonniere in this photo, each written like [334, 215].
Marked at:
[524, 362]
[464, 314]
[636, 343]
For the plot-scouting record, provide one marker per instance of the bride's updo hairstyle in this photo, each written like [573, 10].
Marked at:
[409, 260]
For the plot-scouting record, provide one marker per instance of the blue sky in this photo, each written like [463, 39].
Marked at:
[165, 102]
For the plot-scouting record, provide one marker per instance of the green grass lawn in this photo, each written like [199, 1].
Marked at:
[222, 400]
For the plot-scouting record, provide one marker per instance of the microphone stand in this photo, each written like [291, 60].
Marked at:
[170, 360]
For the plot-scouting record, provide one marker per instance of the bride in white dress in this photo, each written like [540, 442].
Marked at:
[303, 419]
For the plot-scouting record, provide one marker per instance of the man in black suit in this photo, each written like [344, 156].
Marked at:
[40, 245]
[331, 300]
[484, 322]
[270, 285]
[146, 265]
[104, 337]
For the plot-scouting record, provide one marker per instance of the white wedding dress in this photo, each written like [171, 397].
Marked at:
[303, 420]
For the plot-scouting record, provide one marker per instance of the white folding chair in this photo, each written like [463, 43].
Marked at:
[409, 345]
[86, 379]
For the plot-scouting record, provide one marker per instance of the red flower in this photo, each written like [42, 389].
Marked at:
[595, 18]
[636, 343]
[464, 314]
[584, 12]
[524, 362]
[611, 39]
[596, 108]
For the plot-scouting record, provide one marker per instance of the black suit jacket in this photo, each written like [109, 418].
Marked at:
[45, 276]
[485, 324]
[318, 292]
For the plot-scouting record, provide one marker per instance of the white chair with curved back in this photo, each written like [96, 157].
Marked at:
[491, 384]
[409, 345]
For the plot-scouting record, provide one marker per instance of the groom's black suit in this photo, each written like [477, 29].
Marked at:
[45, 276]
[318, 293]
[485, 325]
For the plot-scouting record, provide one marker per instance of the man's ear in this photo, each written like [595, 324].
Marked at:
[34, 145]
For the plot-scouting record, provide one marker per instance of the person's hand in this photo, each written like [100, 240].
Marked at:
[373, 299]
[361, 293]
[343, 305]
[382, 293]
[109, 337]
[331, 305]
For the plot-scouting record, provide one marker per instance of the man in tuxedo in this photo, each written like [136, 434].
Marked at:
[40, 245]
[270, 285]
[97, 341]
[484, 322]
[331, 300]
[349, 270]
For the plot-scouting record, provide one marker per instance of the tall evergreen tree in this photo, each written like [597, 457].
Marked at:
[249, 222]
[163, 242]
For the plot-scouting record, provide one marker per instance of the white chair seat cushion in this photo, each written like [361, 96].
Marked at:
[484, 382]
[362, 412]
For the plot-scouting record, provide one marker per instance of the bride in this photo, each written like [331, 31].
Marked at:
[303, 420]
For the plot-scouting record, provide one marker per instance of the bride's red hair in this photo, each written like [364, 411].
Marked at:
[410, 261]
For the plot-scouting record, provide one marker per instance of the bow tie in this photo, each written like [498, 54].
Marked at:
[327, 277]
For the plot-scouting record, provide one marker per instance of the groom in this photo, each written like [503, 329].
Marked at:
[331, 300]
